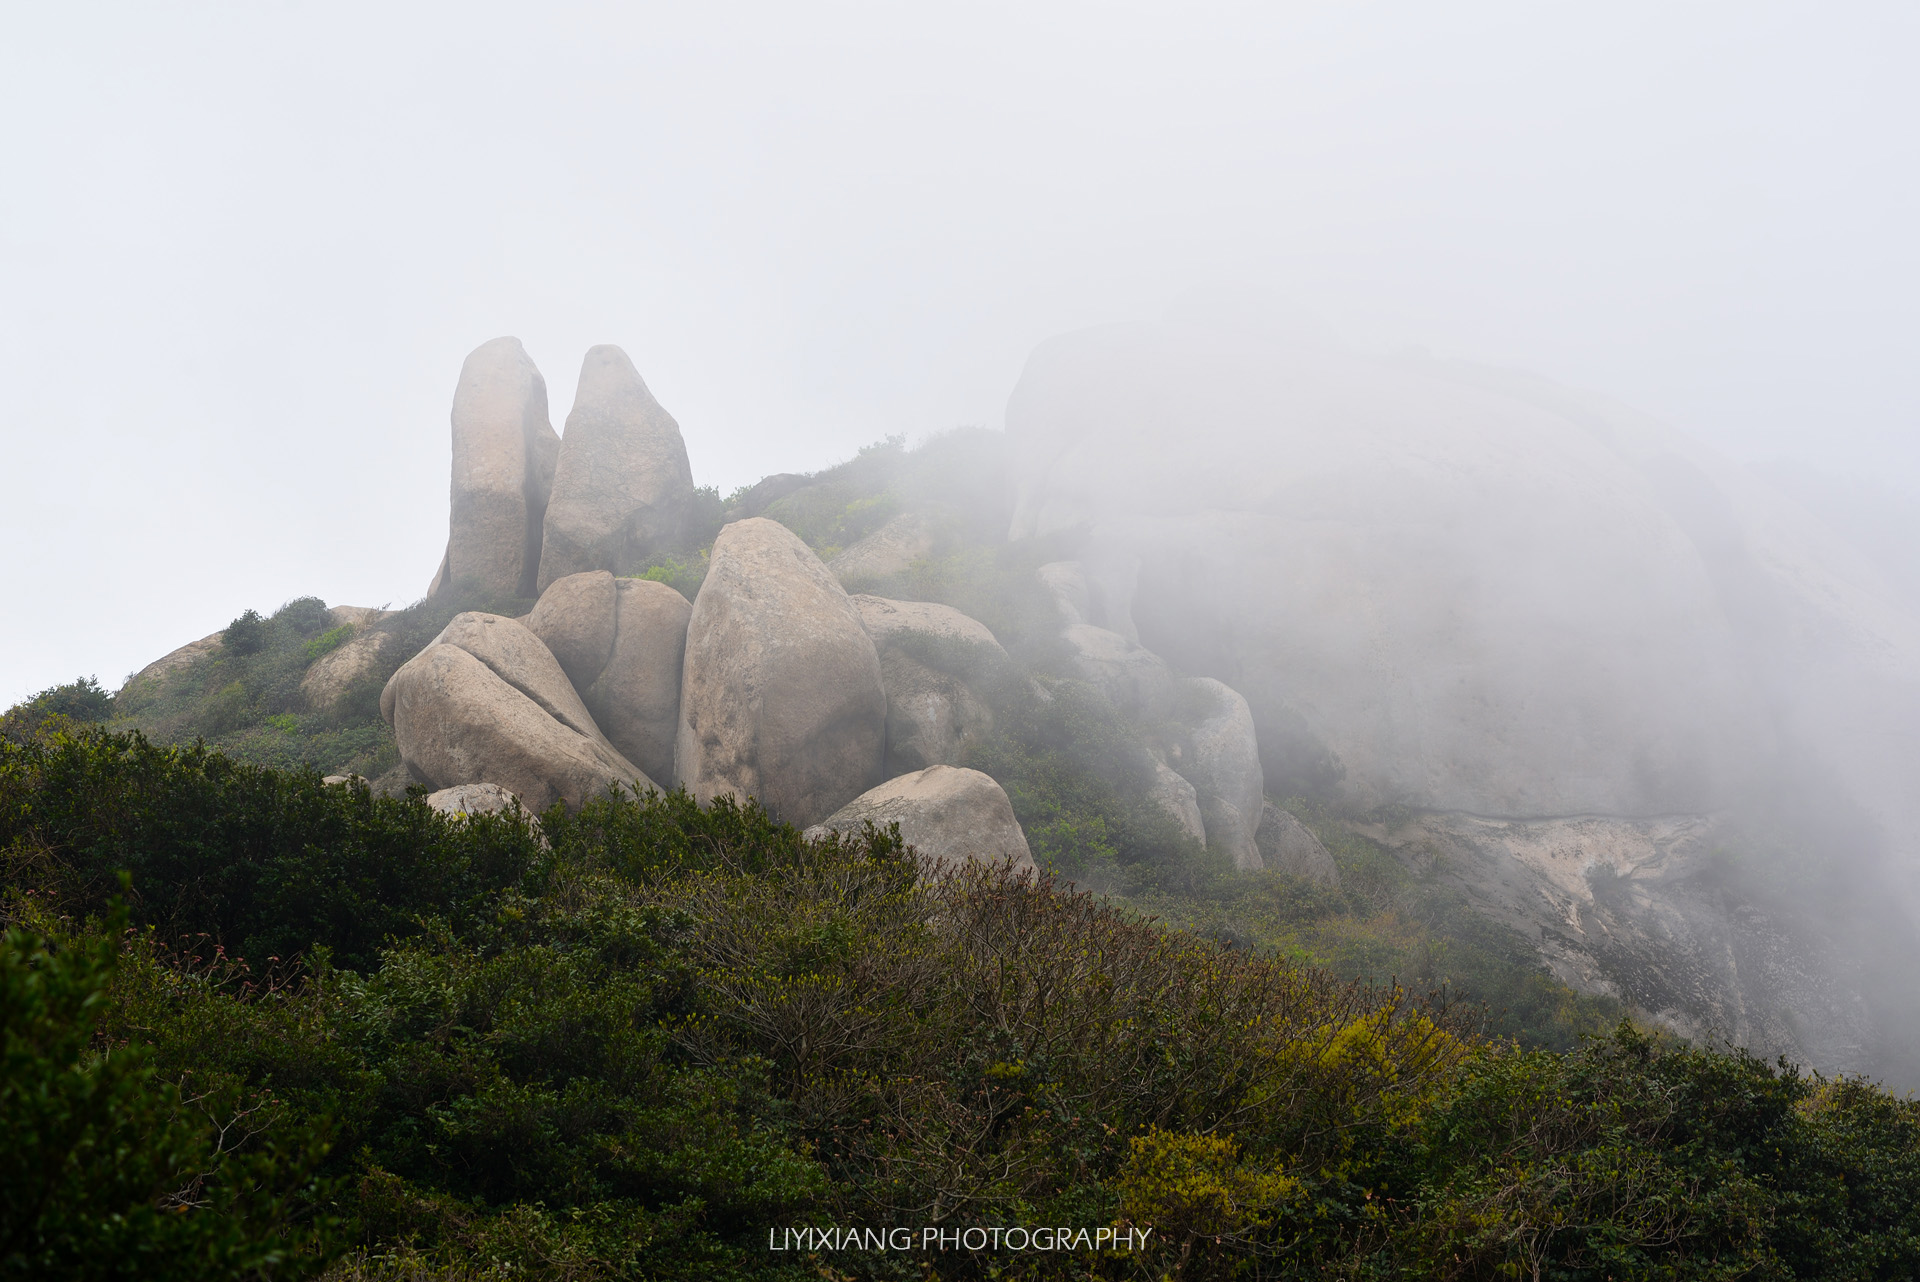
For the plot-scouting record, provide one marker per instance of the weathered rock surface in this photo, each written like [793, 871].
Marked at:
[635, 699]
[574, 618]
[486, 702]
[1066, 582]
[622, 487]
[336, 671]
[781, 696]
[457, 721]
[174, 660]
[947, 814]
[935, 663]
[473, 799]
[940, 633]
[1222, 761]
[1176, 796]
[890, 549]
[1288, 846]
[504, 451]
[1097, 592]
[1637, 909]
[522, 660]
[1135, 679]
[359, 616]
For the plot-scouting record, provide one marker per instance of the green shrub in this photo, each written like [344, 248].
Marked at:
[264, 862]
[682, 575]
[247, 634]
[108, 1171]
[327, 642]
[78, 703]
[303, 616]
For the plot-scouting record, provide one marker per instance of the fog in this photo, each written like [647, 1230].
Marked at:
[245, 248]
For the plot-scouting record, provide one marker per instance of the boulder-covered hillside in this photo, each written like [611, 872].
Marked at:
[1405, 666]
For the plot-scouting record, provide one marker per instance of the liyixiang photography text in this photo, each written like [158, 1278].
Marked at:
[976, 1238]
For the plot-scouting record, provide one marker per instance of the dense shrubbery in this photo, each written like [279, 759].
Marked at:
[629, 1041]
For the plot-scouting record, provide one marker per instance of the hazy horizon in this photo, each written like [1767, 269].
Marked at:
[248, 249]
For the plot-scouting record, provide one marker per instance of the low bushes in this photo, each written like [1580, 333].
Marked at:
[628, 1042]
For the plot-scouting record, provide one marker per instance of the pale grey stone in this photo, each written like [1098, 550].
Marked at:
[334, 672]
[574, 617]
[458, 721]
[623, 486]
[948, 815]
[1066, 582]
[934, 663]
[635, 699]
[892, 548]
[1135, 679]
[473, 799]
[504, 451]
[781, 696]
[1289, 846]
[1222, 761]
[174, 660]
[1176, 796]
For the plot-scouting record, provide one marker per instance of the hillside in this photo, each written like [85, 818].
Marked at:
[1072, 767]
[329, 1031]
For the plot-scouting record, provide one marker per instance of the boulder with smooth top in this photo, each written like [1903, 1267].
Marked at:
[486, 702]
[781, 695]
[947, 814]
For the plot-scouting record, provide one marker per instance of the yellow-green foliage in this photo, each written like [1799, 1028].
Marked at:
[1197, 1189]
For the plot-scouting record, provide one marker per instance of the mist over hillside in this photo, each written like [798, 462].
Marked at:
[1645, 716]
[1265, 784]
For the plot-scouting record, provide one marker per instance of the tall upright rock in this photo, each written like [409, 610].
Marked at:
[623, 485]
[504, 451]
[781, 695]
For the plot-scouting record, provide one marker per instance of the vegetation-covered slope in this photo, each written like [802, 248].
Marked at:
[335, 1031]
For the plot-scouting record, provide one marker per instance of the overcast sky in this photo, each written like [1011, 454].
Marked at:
[244, 248]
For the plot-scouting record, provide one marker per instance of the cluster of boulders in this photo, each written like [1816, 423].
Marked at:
[833, 710]
[773, 682]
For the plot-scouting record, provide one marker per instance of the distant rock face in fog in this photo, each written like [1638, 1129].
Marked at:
[504, 451]
[1637, 909]
[890, 549]
[622, 486]
[1223, 764]
[1462, 590]
[1288, 846]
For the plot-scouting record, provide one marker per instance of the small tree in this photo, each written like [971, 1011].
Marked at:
[246, 634]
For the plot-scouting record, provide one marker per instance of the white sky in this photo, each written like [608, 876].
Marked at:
[244, 247]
